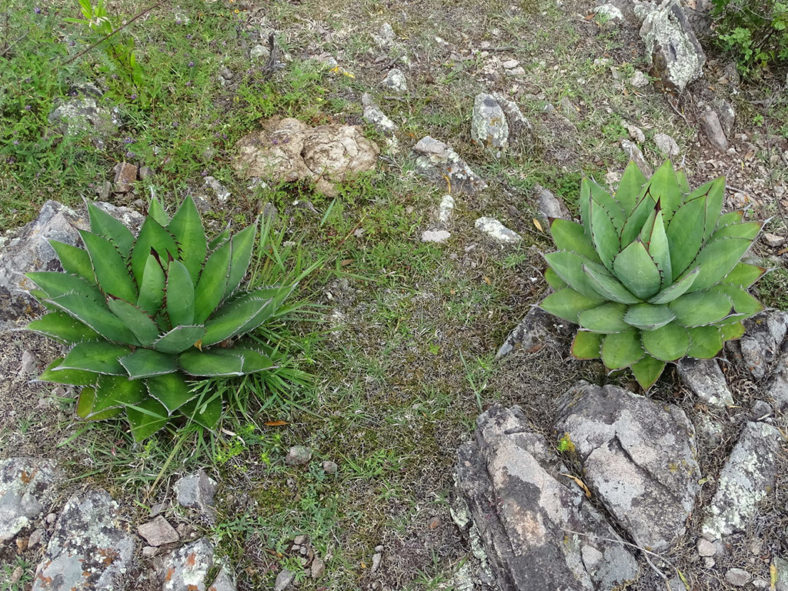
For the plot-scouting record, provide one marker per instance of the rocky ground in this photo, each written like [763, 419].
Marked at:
[449, 441]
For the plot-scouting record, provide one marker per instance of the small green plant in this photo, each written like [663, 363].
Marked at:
[146, 314]
[652, 274]
[755, 32]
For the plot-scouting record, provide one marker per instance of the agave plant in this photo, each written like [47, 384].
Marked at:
[144, 315]
[653, 273]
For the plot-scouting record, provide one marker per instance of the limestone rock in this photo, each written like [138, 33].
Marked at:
[671, 46]
[528, 516]
[377, 118]
[385, 36]
[158, 532]
[283, 580]
[84, 114]
[298, 455]
[521, 132]
[705, 378]
[26, 488]
[185, 569]
[497, 231]
[89, 549]
[635, 154]
[761, 343]
[777, 389]
[437, 161]
[743, 482]
[196, 491]
[710, 124]
[437, 236]
[638, 457]
[738, 577]
[534, 332]
[287, 150]
[489, 128]
[666, 145]
[550, 206]
[395, 81]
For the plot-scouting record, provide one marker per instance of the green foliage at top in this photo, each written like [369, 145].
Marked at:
[146, 314]
[754, 31]
[652, 274]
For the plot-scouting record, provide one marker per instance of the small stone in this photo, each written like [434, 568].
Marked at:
[636, 133]
[298, 455]
[379, 548]
[222, 194]
[157, 509]
[196, 491]
[709, 562]
[16, 575]
[706, 548]
[259, 53]
[609, 12]
[706, 380]
[36, 538]
[489, 128]
[726, 114]
[436, 236]
[223, 581]
[497, 231]
[510, 64]
[300, 539]
[710, 124]
[318, 568]
[737, 577]
[283, 580]
[760, 583]
[550, 206]
[158, 532]
[636, 155]
[666, 145]
[51, 518]
[330, 467]
[639, 79]
[225, 73]
[149, 551]
[125, 176]
[375, 116]
[104, 191]
[517, 72]
[446, 209]
[438, 161]
[385, 36]
[146, 172]
[773, 240]
[376, 560]
[760, 410]
[28, 365]
[395, 81]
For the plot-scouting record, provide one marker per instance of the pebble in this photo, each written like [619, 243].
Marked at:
[125, 175]
[636, 133]
[318, 568]
[376, 559]
[446, 209]
[395, 80]
[283, 580]
[437, 236]
[710, 124]
[149, 551]
[330, 467]
[35, 538]
[639, 79]
[737, 577]
[298, 455]
[666, 145]
[773, 240]
[158, 532]
[706, 548]
[497, 231]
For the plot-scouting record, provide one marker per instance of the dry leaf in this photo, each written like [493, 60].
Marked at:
[579, 483]
[538, 225]
[275, 423]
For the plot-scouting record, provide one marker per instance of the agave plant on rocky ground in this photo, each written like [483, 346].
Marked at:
[145, 315]
[653, 273]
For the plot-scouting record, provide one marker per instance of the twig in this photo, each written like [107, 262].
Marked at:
[112, 34]
[273, 63]
[679, 113]
[11, 46]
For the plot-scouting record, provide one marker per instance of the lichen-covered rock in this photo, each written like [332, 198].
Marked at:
[777, 389]
[539, 532]
[489, 128]
[395, 81]
[495, 230]
[439, 163]
[223, 581]
[671, 46]
[761, 343]
[85, 115]
[521, 132]
[287, 150]
[376, 117]
[706, 380]
[638, 457]
[535, 331]
[745, 480]
[26, 488]
[186, 568]
[89, 550]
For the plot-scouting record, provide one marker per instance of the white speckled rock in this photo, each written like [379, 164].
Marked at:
[497, 231]
[26, 488]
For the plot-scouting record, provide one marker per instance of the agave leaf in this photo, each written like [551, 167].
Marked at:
[635, 268]
[55, 284]
[604, 235]
[647, 371]
[717, 259]
[115, 391]
[648, 316]
[242, 244]
[74, 260]
[101, 358]
[584, 204]
[171, 390]
[73, 377]
[106, 226]
[179, 339]
[146, 418]
[152, 287]
[643, 211]
[110, 269]
[620, 350]
[553, 280]
[253, 361]
[630, 188]
[180, 294]
[743, 303]
[144, 363]
[219, 239]
[567, 304]
[205, 413]
[95, 316]
[682, 181]
[213, 281]
[136, 320]
[748, 230]
[744, 275]
[188, 231]
[607, 285]
[607, 318]
[231, 319]
[705, 342]
[211, 364]
[569, 267]
[667, 343]
[715, 195]
[87, 398]
[156, 211]
[570, 236]
[664, 188]
[152, 237]
[733, 217]
[685, 235]
[62, 327]
[659, 249]
[678, 288]
[732, 330]
[599, 196]
[587, 345]
[701, 308]
[278, 295]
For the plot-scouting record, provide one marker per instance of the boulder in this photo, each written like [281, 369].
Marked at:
[89, 549]
[27, 487]
[672, 48]
[437, 161]
[538, 529]
[748, 475]
[638, 457]
[287, 150]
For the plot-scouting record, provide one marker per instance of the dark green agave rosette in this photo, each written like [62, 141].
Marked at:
[145, 314]
[652, 274]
